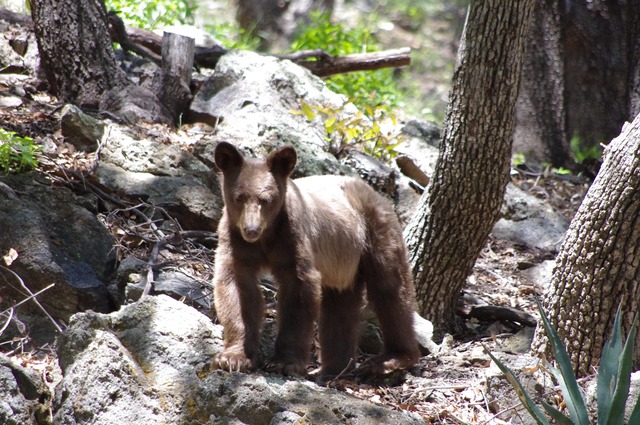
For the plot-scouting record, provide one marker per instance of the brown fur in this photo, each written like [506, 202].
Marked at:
[325, 240]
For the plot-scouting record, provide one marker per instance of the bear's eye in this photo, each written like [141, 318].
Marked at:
[264, 200]
[240, 198]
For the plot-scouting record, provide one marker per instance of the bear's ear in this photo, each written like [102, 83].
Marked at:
[282, 161]
[226, 157]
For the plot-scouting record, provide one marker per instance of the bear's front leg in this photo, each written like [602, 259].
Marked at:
[240, 308]
[298, 306]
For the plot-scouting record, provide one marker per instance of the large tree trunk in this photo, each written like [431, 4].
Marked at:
[581, 65]
[598, 266]
[80, 64]
[540, 132]
[68, 30]
[455, 216]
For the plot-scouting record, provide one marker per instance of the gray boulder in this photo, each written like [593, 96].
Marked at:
[251, 99]
[530, 221]
[160, 172]
[58, 240]
[149, 363]
[24, 396]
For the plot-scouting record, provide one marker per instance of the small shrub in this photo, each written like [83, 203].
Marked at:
[371, 88]
[365, 131]
[17, 154]
[583, 153]
[155, 13]
[612, 385]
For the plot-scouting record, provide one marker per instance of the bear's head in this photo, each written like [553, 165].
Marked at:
[254, 190]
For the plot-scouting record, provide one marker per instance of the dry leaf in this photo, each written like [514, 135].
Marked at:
[10, 257]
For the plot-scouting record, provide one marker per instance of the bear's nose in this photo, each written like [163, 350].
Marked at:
[252, 233]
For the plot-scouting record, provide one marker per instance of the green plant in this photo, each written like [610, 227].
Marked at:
[518, 158]
[370, 88]
[232, 36]
[583, 153]
[345, 130]
[155, 13]
[612, 385]
[17, 153]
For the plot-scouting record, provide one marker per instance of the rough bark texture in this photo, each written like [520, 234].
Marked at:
[579, 77]
[598, 266]
[596, 57]
[75, 49]
[455, 217]
[634, 74]
[541, 132]
[80, 64]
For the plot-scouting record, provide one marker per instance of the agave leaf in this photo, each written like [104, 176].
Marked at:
[608, 370]
[635, 414]
[524, 397]
[566, 378]
[556, 415]
[616, 414]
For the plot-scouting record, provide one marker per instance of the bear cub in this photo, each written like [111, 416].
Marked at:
[327, 240]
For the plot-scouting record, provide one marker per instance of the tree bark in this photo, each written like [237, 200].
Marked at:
[457, 213]
[541, 133]
[579, 75]
[80, 64]
[67, 31]
[598, 266]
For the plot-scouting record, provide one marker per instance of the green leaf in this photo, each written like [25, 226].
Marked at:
[556, 415]
[635, 414]
[329, 124]
[524, 397]
[566, 378]
[608, 371]
[616, 413]
[307, 111]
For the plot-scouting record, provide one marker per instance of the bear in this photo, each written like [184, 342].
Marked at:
[327, 241]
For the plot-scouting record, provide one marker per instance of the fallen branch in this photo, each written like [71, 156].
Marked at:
[118, 33]
[358, 62]
[149, 45]
[317, 61]
[496, 313]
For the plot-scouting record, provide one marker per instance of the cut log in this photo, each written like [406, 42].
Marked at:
[171, 82]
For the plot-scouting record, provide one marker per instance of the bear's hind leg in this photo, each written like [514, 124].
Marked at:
[339, 330]
[391, 295]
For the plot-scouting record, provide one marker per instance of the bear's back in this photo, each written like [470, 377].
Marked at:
[334, 215]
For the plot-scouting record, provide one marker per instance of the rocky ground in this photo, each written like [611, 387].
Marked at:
[457, 384]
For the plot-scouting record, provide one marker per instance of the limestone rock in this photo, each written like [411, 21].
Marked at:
[530, 221]
[251, 100]
[24, 395]
[149, 363]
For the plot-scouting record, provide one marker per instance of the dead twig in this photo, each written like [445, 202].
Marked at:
[32, 296]
[6, 324]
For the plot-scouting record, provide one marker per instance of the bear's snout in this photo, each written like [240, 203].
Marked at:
[251, 222]
[251, 233]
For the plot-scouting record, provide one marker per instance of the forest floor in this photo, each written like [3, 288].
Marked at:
[454, 391]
